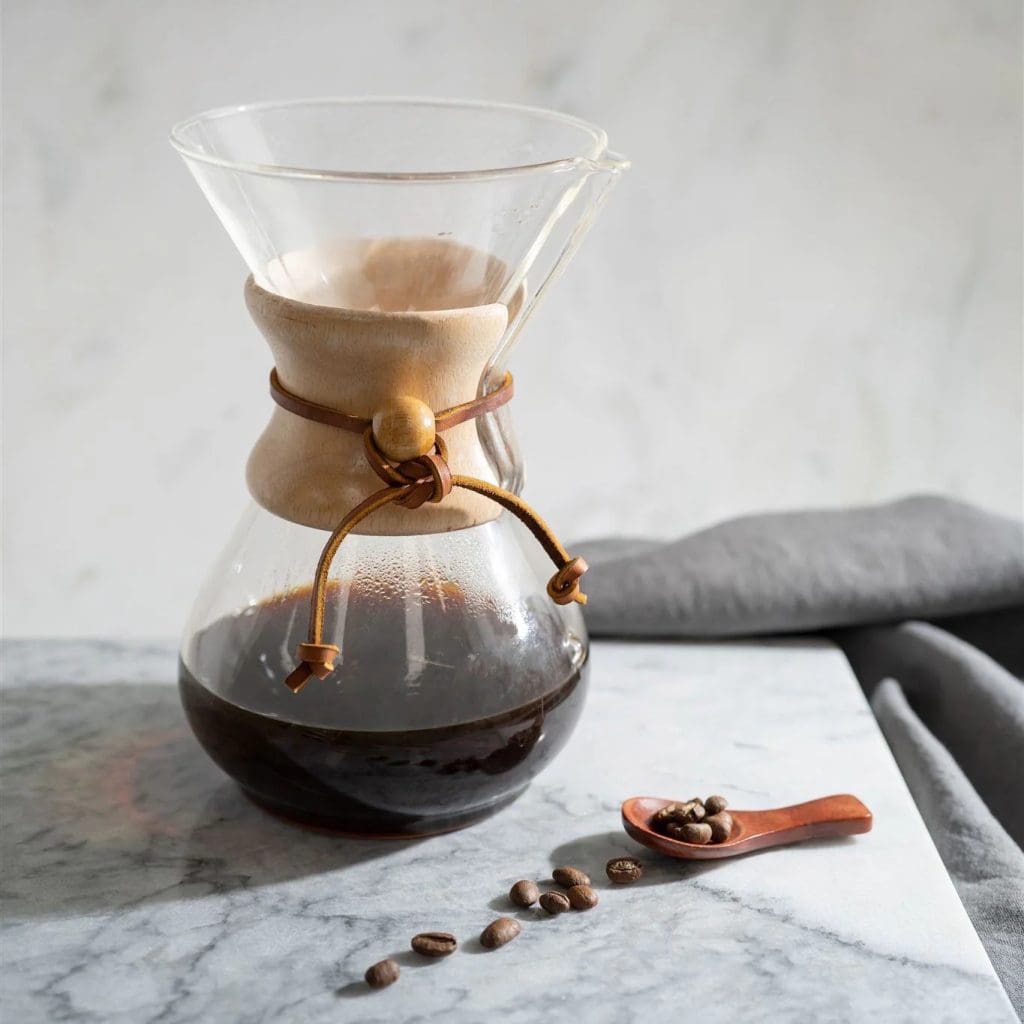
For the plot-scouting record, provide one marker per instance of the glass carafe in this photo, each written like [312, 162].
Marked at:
[396, 248]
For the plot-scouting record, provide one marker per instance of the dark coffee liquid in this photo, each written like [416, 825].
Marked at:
[369, 780]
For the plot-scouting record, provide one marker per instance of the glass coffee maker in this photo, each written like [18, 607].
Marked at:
[391, 642]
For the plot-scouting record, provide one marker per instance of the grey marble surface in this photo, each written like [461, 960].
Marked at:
[140, 886]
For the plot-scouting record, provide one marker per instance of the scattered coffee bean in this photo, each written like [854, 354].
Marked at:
[555, 902]
[382, 974]
[691, 832]
[715, 804]
[568, 877]
[582, 897]
[434, 943]
[623, 870]
[524, 893]
[721, 826]
[497, 933]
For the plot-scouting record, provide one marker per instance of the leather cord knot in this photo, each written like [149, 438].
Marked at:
[411, 484]
[429, 474]
[564, 586]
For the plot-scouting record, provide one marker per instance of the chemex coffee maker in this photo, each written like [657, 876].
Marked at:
[391, 642]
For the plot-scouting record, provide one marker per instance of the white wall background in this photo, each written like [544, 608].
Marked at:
[807, 291]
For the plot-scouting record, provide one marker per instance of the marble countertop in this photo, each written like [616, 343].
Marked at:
[140, 886]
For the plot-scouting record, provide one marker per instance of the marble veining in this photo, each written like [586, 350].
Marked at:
[140, 886]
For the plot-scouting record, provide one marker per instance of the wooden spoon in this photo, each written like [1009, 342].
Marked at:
[841, 815]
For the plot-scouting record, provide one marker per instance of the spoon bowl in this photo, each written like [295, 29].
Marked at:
[826, 817]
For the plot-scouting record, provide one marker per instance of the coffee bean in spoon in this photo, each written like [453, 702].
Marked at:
[715, 805]
[678, 814]
[670, 814]
[666, 816]
[721, 826]
[692, 832]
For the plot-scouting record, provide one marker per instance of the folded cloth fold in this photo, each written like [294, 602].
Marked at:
[950, 700]
[954, 719]
[920, 557]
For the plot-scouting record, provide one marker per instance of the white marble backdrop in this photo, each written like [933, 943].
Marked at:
[808, 290]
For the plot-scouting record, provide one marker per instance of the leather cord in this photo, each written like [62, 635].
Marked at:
[356, 424]
[411, 484]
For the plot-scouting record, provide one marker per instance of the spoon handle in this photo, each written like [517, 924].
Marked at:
[839, 815]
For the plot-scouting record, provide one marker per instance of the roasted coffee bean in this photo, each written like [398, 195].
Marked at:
[662, 816]
[434, 943]
[715, 804]
[555, 902]
[582, 897]
[382, 974]
[497, 933]
[678, 814]
[691, 832]
[671, 814]
[568, 877]
[623, 870]
[524, 893]
[721, 826]
[697, 832]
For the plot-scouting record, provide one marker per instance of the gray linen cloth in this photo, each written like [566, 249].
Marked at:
[947, 692]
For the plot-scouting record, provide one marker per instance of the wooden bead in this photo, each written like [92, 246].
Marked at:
[404, 429]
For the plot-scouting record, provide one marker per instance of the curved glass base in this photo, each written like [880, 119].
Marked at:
[458, 678]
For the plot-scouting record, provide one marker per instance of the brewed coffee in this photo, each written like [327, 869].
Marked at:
[371, 779]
